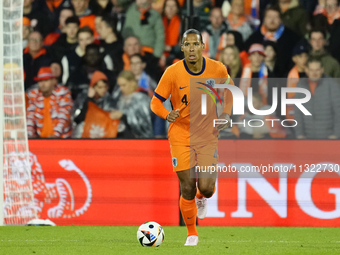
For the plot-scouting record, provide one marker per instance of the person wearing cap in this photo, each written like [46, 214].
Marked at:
[317, 39]
[98, 94]
[49, 108]
[255, 73]
[300, 57]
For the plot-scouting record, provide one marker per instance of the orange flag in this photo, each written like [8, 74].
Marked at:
[98, 123]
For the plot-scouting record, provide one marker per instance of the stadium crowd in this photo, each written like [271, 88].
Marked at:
[91, 66]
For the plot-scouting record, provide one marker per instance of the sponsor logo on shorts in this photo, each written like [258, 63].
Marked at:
[174, 161]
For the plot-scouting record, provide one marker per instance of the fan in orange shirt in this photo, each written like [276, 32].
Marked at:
[193, 139]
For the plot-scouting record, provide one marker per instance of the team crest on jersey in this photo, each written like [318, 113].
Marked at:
[174, 161]
[210, 82]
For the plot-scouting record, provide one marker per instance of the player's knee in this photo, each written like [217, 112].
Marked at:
[207, 190]
[188, 191]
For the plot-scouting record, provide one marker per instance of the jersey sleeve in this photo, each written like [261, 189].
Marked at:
[162, 93]
[163, 90]
[228, 96]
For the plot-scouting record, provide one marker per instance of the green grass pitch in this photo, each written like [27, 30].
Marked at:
[213, 240]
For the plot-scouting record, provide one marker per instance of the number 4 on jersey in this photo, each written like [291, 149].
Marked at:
[184, 99]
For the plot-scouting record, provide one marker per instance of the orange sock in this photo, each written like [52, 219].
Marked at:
[199, 194]
[189, 211]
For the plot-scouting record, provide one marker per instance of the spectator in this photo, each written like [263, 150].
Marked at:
[214, 35]
[145, 82]
[26, 30]
[270, 50]
[101, 7]
[147, 25]
[66, 42]
[235, 38]
[309, 5]
[237, 20]
[294, 16]
[35, 57]
[230, 57]
[56, 71]
[97, 24]
[135, 106]
[96, 93]
[49, 110]
[300, 57]
[39, 21]
[118, 11]
[131, 47]
[112, 43]
[71, 61]
[331, 10]
[92, 61]
[55, 11]
[330, 65]
[61, 27]
[201, 9]
[172, 24]
[324, 105]
[334, 40]
[255, 74]
[272, 29]
[84, 14]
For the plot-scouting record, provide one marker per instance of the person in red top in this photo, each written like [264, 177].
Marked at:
[192, 143]
[172, 23]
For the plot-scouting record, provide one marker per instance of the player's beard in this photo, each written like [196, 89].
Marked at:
[192, 62]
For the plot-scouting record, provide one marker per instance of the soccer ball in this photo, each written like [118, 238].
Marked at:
[150, 234]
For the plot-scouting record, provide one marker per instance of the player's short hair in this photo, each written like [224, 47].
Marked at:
[192, 31]
[314, 60]
[72, 20]
[85, 29]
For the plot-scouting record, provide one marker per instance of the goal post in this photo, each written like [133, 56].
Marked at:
[1, 126]
[16, 197]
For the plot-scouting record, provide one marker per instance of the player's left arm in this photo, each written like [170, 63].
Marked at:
[228, 101]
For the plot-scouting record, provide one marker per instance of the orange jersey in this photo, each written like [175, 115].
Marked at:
[191, 127]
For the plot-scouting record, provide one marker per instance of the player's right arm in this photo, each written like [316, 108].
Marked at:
[162, 93]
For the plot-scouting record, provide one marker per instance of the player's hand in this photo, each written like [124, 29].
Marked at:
[223, 126]
[301, 137]
[173, 115]
[332, 137]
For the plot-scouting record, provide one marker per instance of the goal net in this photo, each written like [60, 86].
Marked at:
[16, 197]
